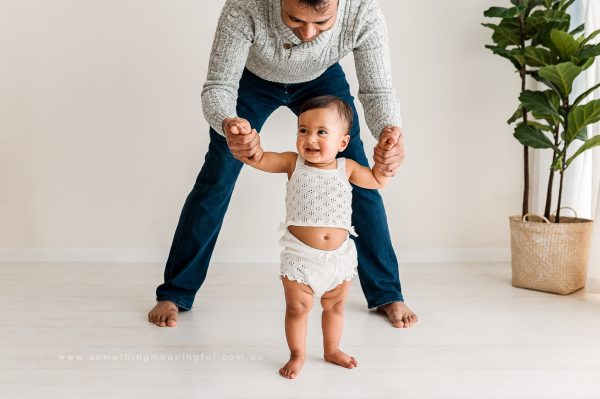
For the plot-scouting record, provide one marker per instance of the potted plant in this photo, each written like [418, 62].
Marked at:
[549, 253]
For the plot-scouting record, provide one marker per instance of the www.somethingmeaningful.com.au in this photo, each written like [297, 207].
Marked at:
[153, 357]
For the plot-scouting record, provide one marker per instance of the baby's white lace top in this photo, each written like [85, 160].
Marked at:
[319, 197]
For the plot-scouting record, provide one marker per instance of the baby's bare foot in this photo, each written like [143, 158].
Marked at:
[164, 314]
[342, 359]
[292, 368]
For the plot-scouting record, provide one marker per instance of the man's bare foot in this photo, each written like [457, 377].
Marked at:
[399, 314]
[164, 314]
[340, 358]
[292, 368]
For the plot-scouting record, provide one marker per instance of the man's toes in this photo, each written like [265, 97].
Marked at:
[398, 323]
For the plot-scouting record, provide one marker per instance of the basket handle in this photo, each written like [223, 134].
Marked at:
[533, 214]
[567, 207]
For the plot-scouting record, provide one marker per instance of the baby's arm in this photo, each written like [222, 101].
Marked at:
[365, 177]
[274, 162]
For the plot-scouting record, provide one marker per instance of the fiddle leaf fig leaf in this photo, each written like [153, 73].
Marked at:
[538, 57]
[591, 143]
[538, 103]
[507, 33]
[581, 116]
[591, 37]
[577, 30]
[516, 59]
[531, 136]
[588, 51]
[515, 117]
[565, 44]
[564, 5]
[540, 126]
[562, 76]
[585, 94]
[501, 12]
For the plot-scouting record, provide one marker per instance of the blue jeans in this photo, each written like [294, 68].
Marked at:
[204, 209]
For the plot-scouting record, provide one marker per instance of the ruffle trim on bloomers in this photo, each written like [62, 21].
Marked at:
[302, 281]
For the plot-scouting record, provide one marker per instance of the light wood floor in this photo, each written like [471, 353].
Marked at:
[478, 338]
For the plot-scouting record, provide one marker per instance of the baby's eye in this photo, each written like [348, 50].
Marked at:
[322, 131]
[302, 131]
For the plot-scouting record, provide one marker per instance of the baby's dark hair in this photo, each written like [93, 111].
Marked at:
[317, 5]
[342, 107]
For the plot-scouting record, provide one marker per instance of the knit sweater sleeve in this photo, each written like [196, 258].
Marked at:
[232, 41]
[373, 69]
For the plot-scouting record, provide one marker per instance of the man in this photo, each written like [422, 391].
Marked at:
[272, 53]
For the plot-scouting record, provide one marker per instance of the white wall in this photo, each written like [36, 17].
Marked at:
[102, 134]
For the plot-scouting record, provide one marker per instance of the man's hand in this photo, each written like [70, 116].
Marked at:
[243, 141]
[389, 152]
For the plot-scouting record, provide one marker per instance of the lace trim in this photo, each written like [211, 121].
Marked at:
[300, 280]
[293, 278]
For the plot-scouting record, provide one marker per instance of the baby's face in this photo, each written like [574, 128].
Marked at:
[321, 135]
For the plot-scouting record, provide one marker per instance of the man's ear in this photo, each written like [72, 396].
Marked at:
[344, 142]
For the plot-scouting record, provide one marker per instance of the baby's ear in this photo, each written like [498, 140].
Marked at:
[344, 142]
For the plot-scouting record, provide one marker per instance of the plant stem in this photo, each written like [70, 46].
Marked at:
[562, 175]
[551, 177]
[523, 73]
[563, 163]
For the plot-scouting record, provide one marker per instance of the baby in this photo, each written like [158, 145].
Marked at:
[318, 257]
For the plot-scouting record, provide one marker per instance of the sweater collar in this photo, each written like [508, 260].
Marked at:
[288, 35]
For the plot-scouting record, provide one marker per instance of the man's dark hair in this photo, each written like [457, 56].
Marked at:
[317, 5]
[342, 107]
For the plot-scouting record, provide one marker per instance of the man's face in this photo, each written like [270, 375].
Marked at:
[306, 22]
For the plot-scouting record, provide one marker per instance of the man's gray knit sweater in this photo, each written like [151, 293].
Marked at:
[251, 34]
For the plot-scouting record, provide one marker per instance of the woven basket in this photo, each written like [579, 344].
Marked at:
[550, 257]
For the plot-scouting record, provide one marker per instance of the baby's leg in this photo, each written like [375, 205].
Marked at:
[299, 300]
[332, 323]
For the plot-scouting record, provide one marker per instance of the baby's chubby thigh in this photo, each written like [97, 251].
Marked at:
[298, 297]
[334, 298]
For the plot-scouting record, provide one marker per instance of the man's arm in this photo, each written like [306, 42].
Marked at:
[232, 41]
[374, 71]
[376, 92]
[365, 177]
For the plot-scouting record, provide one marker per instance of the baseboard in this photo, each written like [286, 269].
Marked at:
[254, 255]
